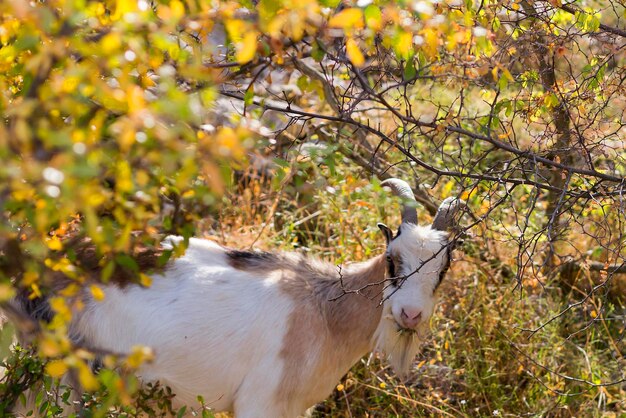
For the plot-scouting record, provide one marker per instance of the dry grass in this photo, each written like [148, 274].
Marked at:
[478, 361]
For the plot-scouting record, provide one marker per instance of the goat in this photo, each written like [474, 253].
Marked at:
[270, 334]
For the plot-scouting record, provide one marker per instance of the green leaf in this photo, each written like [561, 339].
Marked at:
[268, 9]
[495, 24]
[303, 83]
[7, 332]
[248, 97]
[373, 16]
[26, 42]
[107, 271]
[503, 82]
[409, 69]
[164, 258]
[127, 261]
[317, 52]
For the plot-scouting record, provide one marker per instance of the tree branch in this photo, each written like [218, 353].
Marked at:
[508, 180]
[606, 28]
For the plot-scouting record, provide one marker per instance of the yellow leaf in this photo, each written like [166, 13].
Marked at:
[55, 244]
[494, 73]
[403, 44]
[145, 280]
[485, 206]
[86, 378]
[142, 177]
[466, 195]
[235, 28]
[29, 278]
[246, 49]
[227, 143]
[97, 292]
[136, 101]
[69, 291]
[354, 53]
[124, 7]
[431, 42]
[447, 188]
[178, 9]
[123, 179]
[139, 355]
[36, 292]
[347, 19]
[56, 368]
[69, 85]
[58, 305]
[6, 291]
[49, 348]
[24, 194]
[110, 43]
[244, 37]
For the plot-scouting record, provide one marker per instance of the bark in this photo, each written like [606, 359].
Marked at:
[562, 150]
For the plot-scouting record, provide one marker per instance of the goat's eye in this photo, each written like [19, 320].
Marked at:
[392, 271]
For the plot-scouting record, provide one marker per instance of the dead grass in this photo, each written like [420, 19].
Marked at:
[479, 360]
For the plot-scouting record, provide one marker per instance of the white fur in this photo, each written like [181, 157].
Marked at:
[216, 331]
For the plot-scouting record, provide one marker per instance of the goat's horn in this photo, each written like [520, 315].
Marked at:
[446, 214]
[402, 189]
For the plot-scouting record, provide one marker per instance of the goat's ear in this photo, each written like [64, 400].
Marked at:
[386, 231]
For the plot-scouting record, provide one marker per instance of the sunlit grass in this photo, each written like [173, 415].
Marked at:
[479, 360]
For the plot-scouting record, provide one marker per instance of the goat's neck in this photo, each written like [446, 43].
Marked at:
[352, 307]
[332, 327]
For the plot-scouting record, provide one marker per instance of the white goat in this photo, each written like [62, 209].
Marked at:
[269, 335]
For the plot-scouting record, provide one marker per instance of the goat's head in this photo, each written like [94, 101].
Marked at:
[417, 259]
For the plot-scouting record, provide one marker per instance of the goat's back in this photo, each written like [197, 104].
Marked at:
[210, 325]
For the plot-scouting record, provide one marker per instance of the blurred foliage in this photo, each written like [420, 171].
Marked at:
[115, 130]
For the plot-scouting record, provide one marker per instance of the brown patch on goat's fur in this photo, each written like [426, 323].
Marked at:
[88, 259]
[255, 260]
[319, 323]
[338, 331]
[28, 312]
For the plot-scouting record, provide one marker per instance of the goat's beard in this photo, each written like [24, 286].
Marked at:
[400, 346]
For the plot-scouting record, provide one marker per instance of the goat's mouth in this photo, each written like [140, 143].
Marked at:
[405, 331]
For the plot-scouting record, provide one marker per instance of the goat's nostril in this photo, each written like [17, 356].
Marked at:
[410, 317]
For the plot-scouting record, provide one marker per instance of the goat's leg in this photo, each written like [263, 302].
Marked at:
[257, 404]
[279, 410]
